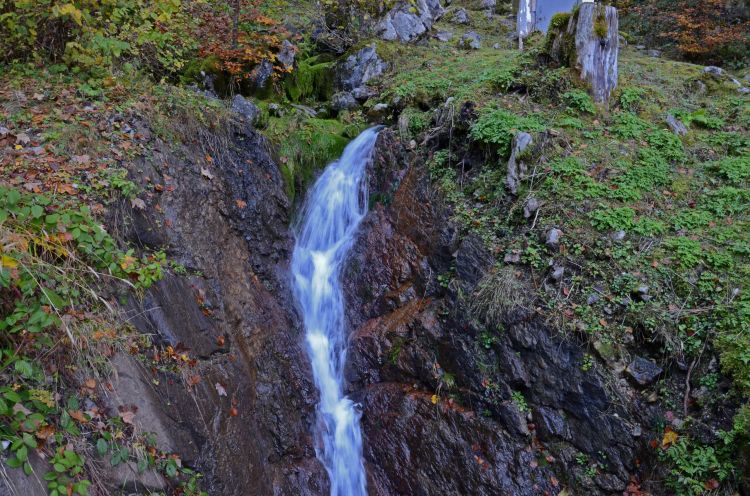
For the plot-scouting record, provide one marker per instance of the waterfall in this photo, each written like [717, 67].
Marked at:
[333, 210]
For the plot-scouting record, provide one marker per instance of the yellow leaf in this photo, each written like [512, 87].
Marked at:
[670, 438]
[8, 262]
[127, 262]
[435, 399]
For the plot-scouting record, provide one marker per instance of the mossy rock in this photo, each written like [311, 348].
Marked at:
[306, 145]
[313, 79]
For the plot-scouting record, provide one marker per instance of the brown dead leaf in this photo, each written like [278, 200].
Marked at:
[240, 203]
[78, 415]
[128, 417]
[90, 383]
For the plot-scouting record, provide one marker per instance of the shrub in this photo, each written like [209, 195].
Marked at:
[630, 99]
[579, 100]
[498, 126]
[92, 35]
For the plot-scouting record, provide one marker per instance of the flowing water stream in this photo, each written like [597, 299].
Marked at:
[333, 210]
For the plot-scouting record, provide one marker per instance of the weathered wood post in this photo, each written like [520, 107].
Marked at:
[597, 48]
[525, 19]
[590, 44]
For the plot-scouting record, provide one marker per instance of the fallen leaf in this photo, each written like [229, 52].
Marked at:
[240, 203]
[193, 380]
[128, 417]
[23, 138]
[434, 399]
[80, 159]
[90, 383]
[711, 484]
[205, 173]
[670, 438]
[138, 203]
[78, 415]
[233, 412]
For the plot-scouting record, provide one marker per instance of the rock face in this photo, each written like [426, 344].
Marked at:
[407, 21]
[435, 421]
[227, 224]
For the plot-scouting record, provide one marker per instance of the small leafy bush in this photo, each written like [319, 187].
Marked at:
[667, 144]
[498, 127]
[579, 100]
[613, 219]
[631, 98]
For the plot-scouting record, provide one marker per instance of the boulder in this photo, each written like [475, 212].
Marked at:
[356, 70]
[246, 109]
[470, 40]
[406, 22]
[443, 36]
[516, 165]
[287, 54]
[261, 75]
[643, 371]
[676, 125]
[460, 17]
[654, 53]
[343, 100]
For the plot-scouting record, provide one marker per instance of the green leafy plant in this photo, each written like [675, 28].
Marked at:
[498, 126]
[579, 100]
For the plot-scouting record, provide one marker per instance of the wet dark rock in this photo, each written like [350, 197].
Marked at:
[643, 371]
[550, 423]
[407, 21]
[408, 332]
[236, 319]
[260, 77]
[473, 260]
[246, 109]
[470, 40]
[676, 125]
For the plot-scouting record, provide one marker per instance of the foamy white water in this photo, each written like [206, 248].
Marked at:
[334, 208]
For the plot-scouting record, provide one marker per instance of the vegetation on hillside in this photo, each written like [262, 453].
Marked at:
[655, 250]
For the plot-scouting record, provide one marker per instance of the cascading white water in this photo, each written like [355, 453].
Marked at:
[334, 208]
